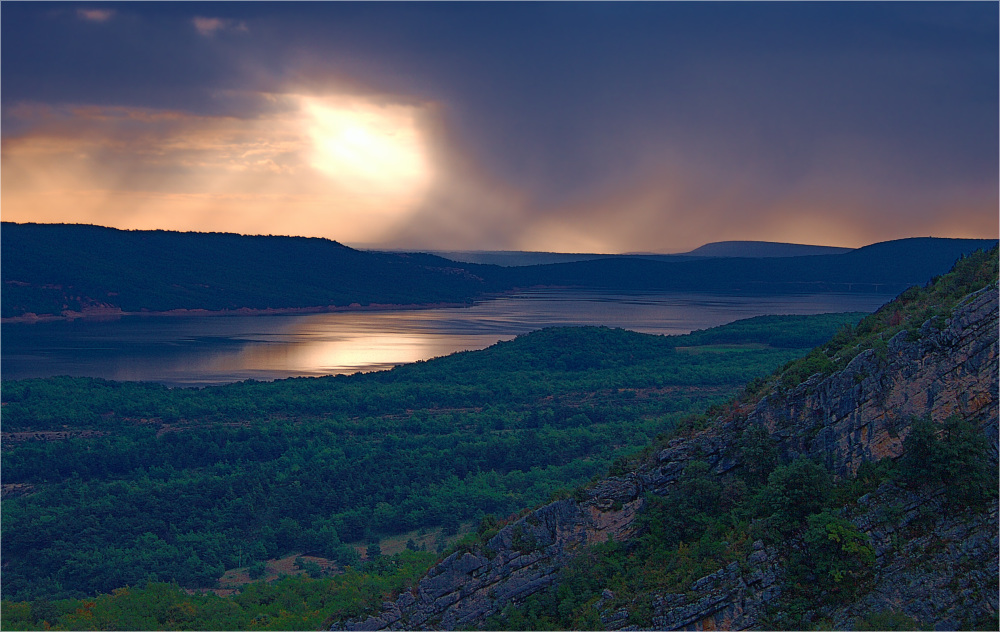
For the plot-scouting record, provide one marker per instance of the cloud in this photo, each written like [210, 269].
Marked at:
[380, 171]
[562, 127]
[210, 26]
[277, 172]
[846, 194]
[95, 15]
[635, 126]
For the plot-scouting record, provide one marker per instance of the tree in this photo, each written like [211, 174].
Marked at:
[953, 454]
[793, 492]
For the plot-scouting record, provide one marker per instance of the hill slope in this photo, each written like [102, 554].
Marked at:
[890, 267]
[57, 268]
[187, 483]
[762, 249]
[863, 496]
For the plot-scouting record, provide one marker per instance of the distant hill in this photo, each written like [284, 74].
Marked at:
[754, 249]
[67, 270]
[510, 258]
[762, 249]
[889, 267]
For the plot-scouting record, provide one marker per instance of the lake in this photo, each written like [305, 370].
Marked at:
[198, 351]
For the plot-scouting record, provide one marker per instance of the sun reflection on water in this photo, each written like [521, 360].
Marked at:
[200, 351]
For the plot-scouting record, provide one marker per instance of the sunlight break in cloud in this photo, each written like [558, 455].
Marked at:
[369, 148]
[209, 26]
[95, 15]
[348, 169]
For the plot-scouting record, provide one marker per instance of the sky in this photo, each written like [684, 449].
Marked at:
[567, 127]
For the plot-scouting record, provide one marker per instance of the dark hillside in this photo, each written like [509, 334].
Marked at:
[51, 268]
[885, 267]
[69, 270]
[853, 489]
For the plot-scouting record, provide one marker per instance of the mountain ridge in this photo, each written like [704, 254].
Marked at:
[69, 271]
[908, 550]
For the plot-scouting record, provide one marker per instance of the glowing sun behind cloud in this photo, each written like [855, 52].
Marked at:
[374, 149]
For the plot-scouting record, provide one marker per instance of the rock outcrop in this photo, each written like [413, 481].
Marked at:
[935, 565]
[521, 559]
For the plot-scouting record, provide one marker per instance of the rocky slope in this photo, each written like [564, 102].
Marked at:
[933, 563]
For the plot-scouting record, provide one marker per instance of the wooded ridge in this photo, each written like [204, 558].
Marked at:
[63, 270]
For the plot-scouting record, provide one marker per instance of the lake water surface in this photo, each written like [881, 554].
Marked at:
[194, 351]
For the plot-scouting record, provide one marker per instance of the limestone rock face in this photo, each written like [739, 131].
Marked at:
[861, 413]
[523, 558]
[935, 564]
[932, 565]
[729, 599]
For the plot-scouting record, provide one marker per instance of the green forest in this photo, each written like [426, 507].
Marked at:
[125, 502]
[116, 484]
[48, 268]
[291, 603]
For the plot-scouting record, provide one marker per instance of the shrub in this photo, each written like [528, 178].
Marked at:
[954, 454]
[488, 527]
[836, 550]
[758, 454]
[257, 570]
[888, 620]
[686, 511]
[793, 492]
[523, 542]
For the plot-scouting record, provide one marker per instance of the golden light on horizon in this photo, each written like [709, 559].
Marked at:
[380, 171]
[344, 167]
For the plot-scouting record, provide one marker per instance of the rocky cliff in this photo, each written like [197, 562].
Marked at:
[933, 562]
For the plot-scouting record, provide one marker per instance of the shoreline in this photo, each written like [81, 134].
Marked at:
[107, 314]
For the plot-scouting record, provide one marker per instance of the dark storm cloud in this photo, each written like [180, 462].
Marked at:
[871, 106]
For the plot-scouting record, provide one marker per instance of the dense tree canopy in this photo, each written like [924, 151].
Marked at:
[122, 483]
